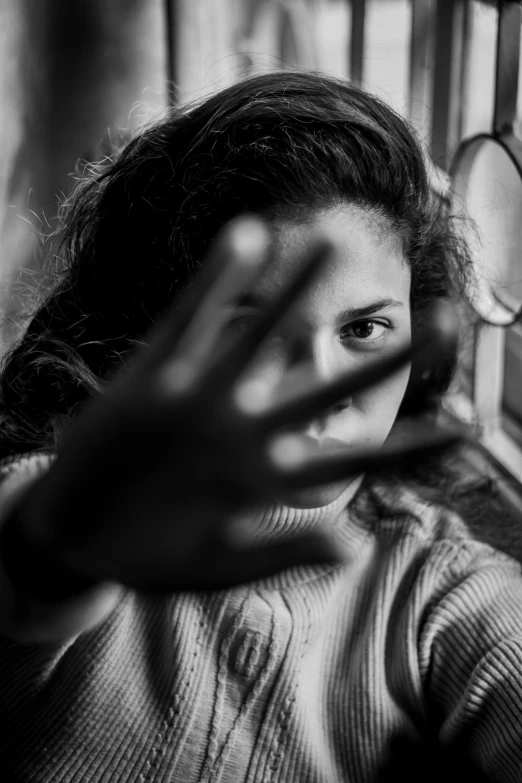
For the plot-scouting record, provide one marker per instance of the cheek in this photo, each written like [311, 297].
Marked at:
[378, 407]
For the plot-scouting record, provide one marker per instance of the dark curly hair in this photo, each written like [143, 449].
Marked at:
[134, 232]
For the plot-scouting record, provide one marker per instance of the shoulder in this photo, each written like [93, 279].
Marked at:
[468, 642]
[457, 600]
[434, 554]
[391, 511]
[462, 595]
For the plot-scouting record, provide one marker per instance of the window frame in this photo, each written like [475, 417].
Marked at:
[440, 41]
[485, 410]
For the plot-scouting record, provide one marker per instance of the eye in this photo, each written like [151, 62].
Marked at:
[367, 330]
[241, 322]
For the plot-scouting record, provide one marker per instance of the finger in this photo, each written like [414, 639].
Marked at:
[296, 470]
[242, 565]
[190, 333]
[234, 360]
[434, 342]
[231, 564]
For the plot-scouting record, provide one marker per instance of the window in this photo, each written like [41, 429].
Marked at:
[386, 50]
[435, 61]
[489, 165]
[451, 66]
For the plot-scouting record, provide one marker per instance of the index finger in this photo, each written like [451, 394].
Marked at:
[186, 337]
[232, 363]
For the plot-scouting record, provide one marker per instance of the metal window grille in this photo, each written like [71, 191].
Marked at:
[446, 40]
[458, 64]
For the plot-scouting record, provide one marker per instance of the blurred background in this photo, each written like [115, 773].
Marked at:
[79, 76]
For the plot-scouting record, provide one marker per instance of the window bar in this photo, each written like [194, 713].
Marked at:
[490, 351]
[422, 69]
[507, 65]
[171, 23]
[422, 50]
[489, 375]
[452, 20]
[357, 41]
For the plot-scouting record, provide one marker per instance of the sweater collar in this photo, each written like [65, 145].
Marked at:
[277, 521]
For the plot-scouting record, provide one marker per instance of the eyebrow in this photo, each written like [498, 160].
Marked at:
[354, 313]
[351, 314]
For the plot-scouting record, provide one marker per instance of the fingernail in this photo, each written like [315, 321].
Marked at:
[249, 237]
[287, 452]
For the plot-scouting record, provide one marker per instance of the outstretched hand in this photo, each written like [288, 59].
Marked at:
[152, 475]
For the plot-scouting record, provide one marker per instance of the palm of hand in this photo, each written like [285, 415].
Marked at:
[156, 469]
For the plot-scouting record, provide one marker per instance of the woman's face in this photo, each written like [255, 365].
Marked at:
[357, 311]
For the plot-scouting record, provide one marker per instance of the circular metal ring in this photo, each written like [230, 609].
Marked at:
[486, 186]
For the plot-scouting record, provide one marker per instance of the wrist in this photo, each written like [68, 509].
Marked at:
[35, 569]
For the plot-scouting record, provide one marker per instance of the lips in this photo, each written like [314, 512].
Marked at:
[321, 445]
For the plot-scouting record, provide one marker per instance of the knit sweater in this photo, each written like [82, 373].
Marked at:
[306, 676]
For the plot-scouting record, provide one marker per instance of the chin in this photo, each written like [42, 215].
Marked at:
[314, 497]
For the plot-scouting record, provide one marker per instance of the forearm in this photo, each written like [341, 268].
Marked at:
[25, 619]
[41, 598]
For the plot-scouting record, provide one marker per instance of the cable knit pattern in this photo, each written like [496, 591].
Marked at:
[307, 676]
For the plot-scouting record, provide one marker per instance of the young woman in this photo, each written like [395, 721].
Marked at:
[174, 602]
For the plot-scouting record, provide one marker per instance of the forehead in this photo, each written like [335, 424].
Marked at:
[368, 263]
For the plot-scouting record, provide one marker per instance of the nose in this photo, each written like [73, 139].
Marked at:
[312, 360]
